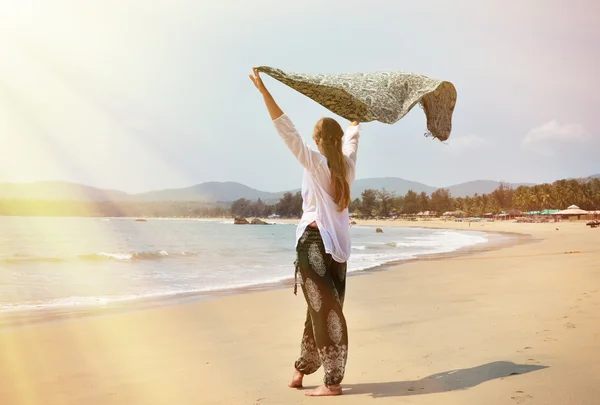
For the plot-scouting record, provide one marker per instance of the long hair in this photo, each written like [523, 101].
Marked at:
[329, 134]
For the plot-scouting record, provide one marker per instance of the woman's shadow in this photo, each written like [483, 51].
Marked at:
[442, 382]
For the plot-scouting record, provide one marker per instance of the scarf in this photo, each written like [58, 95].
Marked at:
[381, 96]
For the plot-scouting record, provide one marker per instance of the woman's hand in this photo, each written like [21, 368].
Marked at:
[258, 83]
[274, 110]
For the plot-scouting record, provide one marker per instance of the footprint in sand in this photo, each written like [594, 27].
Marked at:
[521, 397]
[569, 325]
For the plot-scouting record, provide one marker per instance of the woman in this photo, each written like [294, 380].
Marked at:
[322, 241]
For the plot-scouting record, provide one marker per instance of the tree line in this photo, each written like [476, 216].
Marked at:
[585, 193]
[289, 206]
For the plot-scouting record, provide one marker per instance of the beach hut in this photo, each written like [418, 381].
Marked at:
[426, 214]
[457, 213]
[510, 214]
[571, 212]
[593, 214]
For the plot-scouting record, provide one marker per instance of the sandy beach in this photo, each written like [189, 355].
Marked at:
[516, 325]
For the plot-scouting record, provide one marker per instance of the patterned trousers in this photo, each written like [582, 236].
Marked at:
[323, 281]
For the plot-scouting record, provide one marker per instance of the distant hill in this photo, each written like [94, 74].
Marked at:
[213, 192]
[208, 192]
[479, 187]
[595, 176]
[401, 186]
[392, 184]
[58, 190]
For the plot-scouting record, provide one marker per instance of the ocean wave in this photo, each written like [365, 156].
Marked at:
[111, 300]
[365, 261]
[101, 256]
[145, 255]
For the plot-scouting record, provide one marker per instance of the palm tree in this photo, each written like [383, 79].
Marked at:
[544, 196]
[521, 198]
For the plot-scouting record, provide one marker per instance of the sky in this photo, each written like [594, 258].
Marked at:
[137, 96]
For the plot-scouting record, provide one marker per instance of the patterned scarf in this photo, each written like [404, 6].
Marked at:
[382, 96]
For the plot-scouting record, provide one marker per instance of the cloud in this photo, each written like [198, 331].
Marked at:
[468, 143]
[547, 137]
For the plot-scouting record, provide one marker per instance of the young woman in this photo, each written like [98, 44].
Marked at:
[322, 241]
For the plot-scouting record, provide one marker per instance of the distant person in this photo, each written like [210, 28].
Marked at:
[322, 241]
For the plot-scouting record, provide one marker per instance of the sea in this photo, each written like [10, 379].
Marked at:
[84, 263]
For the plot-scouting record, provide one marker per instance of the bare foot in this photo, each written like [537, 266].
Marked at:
[325, 390]
[296, 379]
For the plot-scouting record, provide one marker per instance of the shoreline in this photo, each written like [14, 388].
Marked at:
[27, 317]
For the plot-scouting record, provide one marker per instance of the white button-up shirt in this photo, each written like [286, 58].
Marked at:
[317, 188]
